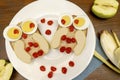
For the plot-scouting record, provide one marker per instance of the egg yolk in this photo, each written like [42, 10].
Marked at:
[65, 20]
[13, 33]
[79, 22]
[28, 26]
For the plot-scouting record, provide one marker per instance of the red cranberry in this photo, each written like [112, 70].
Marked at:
[32, 25]
[50, 74]
[42, 68]
[68, 50]
[42, 20]
[63, 37]
[71, 64]
[50, 22]
[64, 70]
[62, 49]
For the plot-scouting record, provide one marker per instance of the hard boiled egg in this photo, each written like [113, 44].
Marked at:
[81, 22]
[29, 26]
[65, 20]
[12, 33]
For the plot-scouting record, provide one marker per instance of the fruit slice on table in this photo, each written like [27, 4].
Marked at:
[6, 71]
[57, 37]
[29, 26]
[20, 51]
[12, 33]
[81, 22]
[81, 40]
[65, 20]
[105, 8]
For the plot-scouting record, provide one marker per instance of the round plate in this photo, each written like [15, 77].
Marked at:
[31, 71]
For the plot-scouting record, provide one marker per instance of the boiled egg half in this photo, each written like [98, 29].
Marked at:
[12, 33]
[81, 22]
[29, 26]
[65, 20]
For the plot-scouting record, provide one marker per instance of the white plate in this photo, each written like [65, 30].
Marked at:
[31, 71]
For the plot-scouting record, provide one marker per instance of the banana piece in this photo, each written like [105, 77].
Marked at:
[117, 51]
[2, 63]
[57, 37]
[105, 8]
[20, 52]
[41, 41]
[109, 45]
[81, 40]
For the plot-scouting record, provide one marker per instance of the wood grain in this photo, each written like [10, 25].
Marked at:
[8, 8]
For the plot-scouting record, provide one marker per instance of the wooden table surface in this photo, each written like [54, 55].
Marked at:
[8, 8]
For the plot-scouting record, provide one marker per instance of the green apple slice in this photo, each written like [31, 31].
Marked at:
[2, 63]
[105, 8]
[6, 73]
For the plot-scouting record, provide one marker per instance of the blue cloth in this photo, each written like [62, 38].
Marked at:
[95, 63]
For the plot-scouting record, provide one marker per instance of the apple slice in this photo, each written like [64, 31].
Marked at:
[2, 63]
[20, 51]
[105, 8]
[57, 37]
[6, 72]
[81, 40]
[41, 41]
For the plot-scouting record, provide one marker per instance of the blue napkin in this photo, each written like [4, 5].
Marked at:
[95, 63]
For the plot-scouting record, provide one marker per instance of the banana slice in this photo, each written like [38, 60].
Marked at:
[20, 52]
[57, 37]
[81, 40]
[41, 41]
[105, 8]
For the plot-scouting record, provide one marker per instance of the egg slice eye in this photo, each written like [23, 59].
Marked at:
[65, 20]
[12, 33]
[29, 26]
[81, 22]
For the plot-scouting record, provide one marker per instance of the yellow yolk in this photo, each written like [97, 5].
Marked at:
[26, 26]
[66, 19]
[79, 22]
[13, 33]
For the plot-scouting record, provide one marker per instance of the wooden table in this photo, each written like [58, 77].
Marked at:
[8, 8]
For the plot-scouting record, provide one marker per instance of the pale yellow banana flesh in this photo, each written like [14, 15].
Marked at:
[109, 46]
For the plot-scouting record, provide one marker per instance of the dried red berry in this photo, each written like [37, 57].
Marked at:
[27, 49]
[48, 32]
[40, 52]
[63, 21]
[76, 21]
[50, 22]
[42, 20]
[64, 70]
[71, 64]
[30, 44]
[53, 68]
[63, 37]
[68, 50]
[62, 49]
[32, 25]
[35, 44]
[71, 28]
[73, 40]
[68, 40]
[35, 55]
[42, 68]
[16, 31]
[24, 35]
[50, 74]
